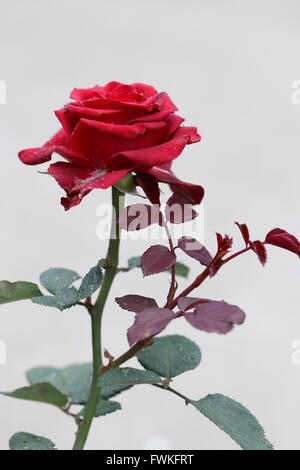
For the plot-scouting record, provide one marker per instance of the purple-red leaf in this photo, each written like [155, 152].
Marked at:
[195, 250]
[259, 248]
[179, 209]
[139, 216]
[136, 303]
[224, 243]
[283, 239]
[149, 323]
[149, 184]
[245, 232]
[185, 303]
[156, 259]
[215, 316]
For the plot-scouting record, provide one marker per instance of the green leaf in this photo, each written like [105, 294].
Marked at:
[65, 298]
[74, 381]
[55, 279]
[43, 392]
[170, 355]
[104, 407]
[12, 291]
[235, 420]
[128, 376]
[25, 441]
[134, 262]
[182, 270]
[113, 390]
[90, 283]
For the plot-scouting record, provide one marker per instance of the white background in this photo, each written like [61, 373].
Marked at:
[229, 66]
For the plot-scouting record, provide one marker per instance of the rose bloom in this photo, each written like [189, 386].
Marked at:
[111, 131]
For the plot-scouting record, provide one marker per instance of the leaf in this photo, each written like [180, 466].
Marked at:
[55, 279]
[25, 441]
[245, 232]
[235, 420]
[195, 250]
[65, 298]
[181, 270]
[179, 209]
[224, 243]
[42, 392]
[128, 376]
[259, 248]
[90, 283]
[186, 303]
[20, 290]
[104, 407]
[283, 239]
[156, 259]
[74, 381]
[136, 303]
[134, 262]
[149, 323]
[215, 316]
[110, 391]
[149, 184]
[139, 216]
[170, 355]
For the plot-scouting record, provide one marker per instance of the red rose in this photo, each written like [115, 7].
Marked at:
[110, 131]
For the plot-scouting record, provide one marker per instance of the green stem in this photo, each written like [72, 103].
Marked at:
[96, 317]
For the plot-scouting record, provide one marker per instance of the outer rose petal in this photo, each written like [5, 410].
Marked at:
[78, 181]
[43, 154]
[145, 158]
[81, 94]
[165, 174]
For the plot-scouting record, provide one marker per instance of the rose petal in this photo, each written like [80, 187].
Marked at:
[35, 156]
[165, 174]
[78, 181]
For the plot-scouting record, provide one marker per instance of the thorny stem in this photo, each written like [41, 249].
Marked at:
[173, 285]
[96, 312]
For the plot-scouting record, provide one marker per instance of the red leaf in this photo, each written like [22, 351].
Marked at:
[136, 303]
[224, 243]
[283, 239]
[244, 231]
[186, 303]
[149, 185]
[259, 248]
[195, 250]
[179, 209]
[215, 316]
[149, 323]
[156, 259]
[139, 216]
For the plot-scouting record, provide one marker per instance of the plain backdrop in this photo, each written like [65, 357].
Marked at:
[229, 66]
